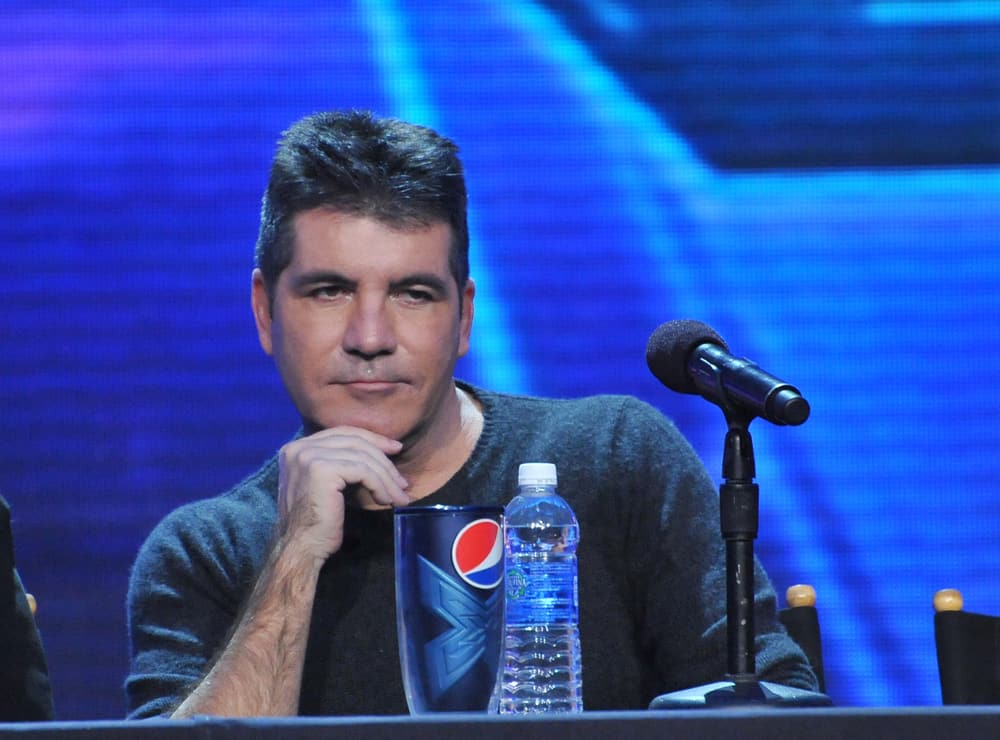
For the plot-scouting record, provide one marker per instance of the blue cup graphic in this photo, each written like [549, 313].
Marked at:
[449, 605]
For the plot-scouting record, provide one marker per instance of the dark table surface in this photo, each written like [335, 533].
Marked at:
[932, 723]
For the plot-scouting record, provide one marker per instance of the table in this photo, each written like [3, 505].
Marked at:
[913, 723]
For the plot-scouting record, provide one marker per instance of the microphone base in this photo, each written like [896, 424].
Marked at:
[740, 693]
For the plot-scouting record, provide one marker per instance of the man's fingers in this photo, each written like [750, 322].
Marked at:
[386, 444]
[335, 459]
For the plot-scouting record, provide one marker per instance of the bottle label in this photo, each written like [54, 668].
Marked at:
[517, 584]
[542, 592]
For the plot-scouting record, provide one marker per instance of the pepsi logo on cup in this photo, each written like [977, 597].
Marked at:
[477, 554]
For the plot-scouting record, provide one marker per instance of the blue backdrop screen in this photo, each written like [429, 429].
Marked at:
[820, 182]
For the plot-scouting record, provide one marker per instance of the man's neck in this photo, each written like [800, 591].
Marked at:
[431, 462]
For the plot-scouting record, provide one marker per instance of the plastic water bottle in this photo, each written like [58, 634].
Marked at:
[542, 662]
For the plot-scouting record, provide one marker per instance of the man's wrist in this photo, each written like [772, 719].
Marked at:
[291, 559]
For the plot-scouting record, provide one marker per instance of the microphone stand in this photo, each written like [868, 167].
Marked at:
[739, 507]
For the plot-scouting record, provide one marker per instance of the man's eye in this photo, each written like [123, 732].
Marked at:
[416, 295]
[327, 292]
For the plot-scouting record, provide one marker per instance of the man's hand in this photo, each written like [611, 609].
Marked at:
[260, 670]
[316, 472]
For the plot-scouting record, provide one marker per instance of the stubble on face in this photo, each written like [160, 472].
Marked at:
[367, 325]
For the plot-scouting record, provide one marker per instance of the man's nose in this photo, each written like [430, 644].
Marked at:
[370, 330]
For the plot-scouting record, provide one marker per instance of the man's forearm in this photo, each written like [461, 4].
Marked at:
[259, 673]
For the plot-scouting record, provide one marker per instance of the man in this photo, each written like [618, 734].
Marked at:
[276, 598]
[25, 693]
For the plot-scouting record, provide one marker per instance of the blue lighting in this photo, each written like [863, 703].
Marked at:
[948, 11]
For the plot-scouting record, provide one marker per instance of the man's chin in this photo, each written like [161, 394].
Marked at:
[379, 424]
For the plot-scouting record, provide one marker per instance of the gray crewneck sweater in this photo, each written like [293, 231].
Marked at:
[651, 568]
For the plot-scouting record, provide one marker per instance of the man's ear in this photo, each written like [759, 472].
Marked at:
[260, 301]
[465, 323]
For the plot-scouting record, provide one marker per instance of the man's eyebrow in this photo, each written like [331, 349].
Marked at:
[321, 276]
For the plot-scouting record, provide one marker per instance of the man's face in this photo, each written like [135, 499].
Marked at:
[365, 323]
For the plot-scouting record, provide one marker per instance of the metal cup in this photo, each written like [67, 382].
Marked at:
[449, 605]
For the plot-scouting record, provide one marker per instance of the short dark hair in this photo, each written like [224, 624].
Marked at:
[400, 174]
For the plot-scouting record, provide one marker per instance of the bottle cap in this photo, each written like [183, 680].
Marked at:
[536, 474]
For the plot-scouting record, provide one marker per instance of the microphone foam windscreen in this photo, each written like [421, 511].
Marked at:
[669, 348]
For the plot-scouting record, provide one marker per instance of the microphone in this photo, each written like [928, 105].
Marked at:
[689, 357]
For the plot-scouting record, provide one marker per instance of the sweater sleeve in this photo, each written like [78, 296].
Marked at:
[678, 564]
[185, 590]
